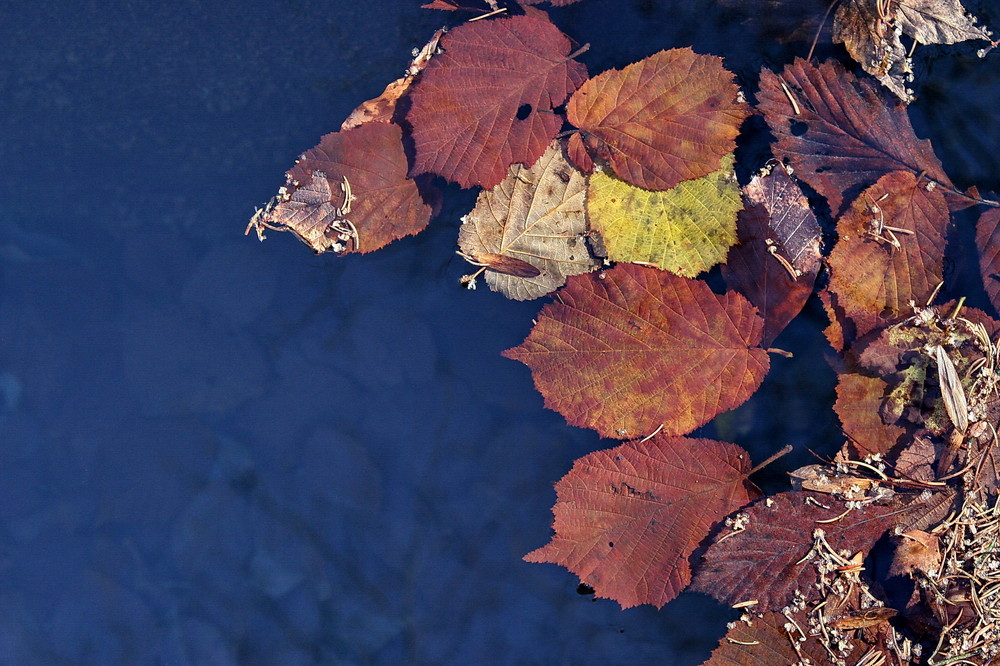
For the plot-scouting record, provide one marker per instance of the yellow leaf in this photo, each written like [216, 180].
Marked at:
[686, 230]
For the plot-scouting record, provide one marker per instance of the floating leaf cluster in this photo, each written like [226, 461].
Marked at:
[617, 192]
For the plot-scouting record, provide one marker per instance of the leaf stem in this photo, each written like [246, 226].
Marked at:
[787, 449]
[580, 51]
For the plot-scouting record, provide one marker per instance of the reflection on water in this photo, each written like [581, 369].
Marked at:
[217, 451]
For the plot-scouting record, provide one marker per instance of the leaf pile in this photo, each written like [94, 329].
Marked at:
[614, 194]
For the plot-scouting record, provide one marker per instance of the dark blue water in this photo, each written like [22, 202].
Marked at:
[215, 451]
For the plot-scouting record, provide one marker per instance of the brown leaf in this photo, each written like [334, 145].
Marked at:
[858, 401]
[505, 264]
[627, 519]
[872, 41]
[487, 102]
[846, 134]
[891, 248]
[536, 217]
[835, 334]
[383, 107]
[772, 639]
[915, 551]
[385, 204]
[628, 349]
[777, 259]
[670, 117]
[917, 460]
[768, 560]
[988, 242]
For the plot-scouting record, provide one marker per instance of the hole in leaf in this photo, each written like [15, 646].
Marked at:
[523, 111]
[584, 589]
[799, 128]
[611, 544]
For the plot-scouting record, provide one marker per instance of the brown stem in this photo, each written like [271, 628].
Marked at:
[770, 460]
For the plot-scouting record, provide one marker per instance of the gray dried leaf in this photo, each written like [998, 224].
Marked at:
[938, 22]
[537, 216]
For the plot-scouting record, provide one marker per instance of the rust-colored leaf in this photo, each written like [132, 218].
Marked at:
[628, 519]
[773, 556]
[628, 349]
[383, 107]
[988, 242]
[859, 399]
[670, 117]
[368, 161]
[529, 231]
[846, 133]
[777, 259]
[891, 248]
[487, 102]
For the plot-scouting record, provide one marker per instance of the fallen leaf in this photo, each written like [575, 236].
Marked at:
[554, 3]
[628, 519]
[485, 5]
[670, 117]
[794, 228]
[628, 349]
[771, 638]
[873, 42]
[828, 480]
[488, 101]
[988, 242]
[777, 259]
[383, 107]
[891, 248]
[938, 22]
[769, 560]
[915, 551]
[385, 205]
[505, 264]
[846, 135]
[859, 398]
[686, 230]
[535, 216]
[835, 332]
[918, 459]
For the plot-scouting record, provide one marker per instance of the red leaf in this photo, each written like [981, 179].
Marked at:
[667, 118]
[859, 399]
[487, 101]
[385, 205]
[988, 242]
[776, 223]
[869, 274]
[767, 561]
[629, 349]
[627, 519]
[847, 134]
